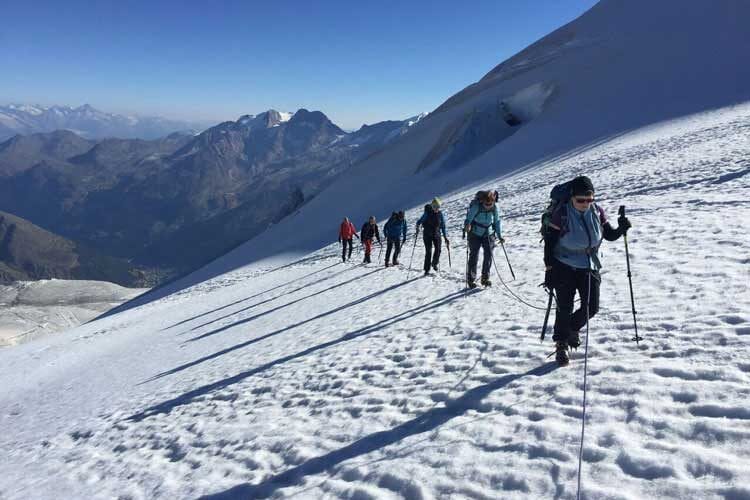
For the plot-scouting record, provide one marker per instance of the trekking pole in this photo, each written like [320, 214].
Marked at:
[466, 271]
[508, 261]
[380, 252]
[412, 254]
[630, 280]
[448, 247]
[546, 315]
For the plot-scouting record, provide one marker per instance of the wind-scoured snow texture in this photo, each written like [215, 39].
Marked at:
[319, 379]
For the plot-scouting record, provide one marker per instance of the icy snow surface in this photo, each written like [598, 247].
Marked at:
[328, 380]
[30, 309]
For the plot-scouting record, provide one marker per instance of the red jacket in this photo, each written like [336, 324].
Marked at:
[347, 230]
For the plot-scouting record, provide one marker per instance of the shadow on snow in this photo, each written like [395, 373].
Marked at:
[425, 422]
[262, 293]
[277, 308]
[188, 397]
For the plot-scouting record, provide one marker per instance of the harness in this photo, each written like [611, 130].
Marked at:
[479, 224]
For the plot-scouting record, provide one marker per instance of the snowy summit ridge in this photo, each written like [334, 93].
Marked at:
[270, 118]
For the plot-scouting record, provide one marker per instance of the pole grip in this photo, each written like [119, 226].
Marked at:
[621, 211]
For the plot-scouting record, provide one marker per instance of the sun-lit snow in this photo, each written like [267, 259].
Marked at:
[328, 379]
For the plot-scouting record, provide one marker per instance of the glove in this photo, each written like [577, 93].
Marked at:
[467, 228]
[339, 241]
[501, 239]
[403, 242]
[447, 241]
[623, 224]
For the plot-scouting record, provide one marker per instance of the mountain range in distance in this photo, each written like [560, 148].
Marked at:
[168, 205]
[88, 122]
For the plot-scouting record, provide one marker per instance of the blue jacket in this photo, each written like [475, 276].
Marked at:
[481, 220]
[581, 235]
[395, 229]
[428, 230]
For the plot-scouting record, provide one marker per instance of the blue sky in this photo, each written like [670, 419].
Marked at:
[358, 62]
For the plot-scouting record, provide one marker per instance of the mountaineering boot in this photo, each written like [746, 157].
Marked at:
[486, 281]
[434, 266]
[472, 284]
[561, 354]
[395, 262]
[387, 264]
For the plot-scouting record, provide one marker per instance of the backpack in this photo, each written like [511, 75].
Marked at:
[482, 194]
[432, 223]
[368, 231]
[392, 228]
[477, 202]
[559, 196]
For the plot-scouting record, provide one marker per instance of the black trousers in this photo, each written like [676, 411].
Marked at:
[344, 256]
[567, 281]
[475, 243]
[432, 246]
[395, 245]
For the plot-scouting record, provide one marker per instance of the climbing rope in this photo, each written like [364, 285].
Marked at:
[519, 299]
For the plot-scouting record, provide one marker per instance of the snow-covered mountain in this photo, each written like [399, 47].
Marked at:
[278, 371]
[379, 134]
[87, 122]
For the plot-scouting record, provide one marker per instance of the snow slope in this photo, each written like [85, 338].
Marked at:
[319, 379]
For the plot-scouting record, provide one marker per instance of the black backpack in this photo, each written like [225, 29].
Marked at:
[432, 223]
[559, 196]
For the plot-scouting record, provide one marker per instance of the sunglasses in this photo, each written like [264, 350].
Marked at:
[583, 200]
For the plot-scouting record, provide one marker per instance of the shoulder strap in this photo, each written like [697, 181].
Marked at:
[563, 208]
